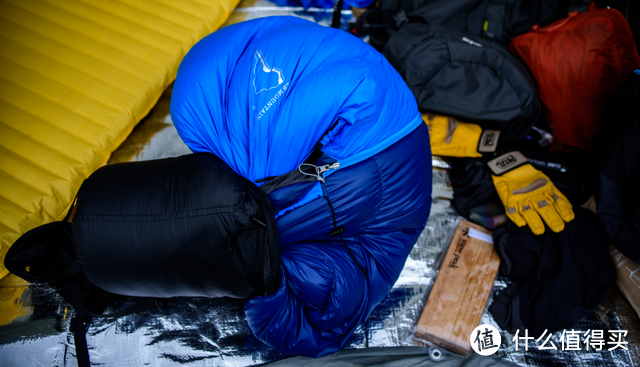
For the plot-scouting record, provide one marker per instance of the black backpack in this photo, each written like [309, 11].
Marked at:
[497, 20]
[176, 227]
[465, 77]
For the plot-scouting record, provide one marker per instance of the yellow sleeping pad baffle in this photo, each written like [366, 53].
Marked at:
[75, 78]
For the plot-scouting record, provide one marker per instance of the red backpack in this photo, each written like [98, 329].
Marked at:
[578, 62]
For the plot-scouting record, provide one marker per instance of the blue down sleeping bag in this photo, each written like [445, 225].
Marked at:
[260, 95]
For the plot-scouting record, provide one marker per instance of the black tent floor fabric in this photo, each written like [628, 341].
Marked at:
[35, 330]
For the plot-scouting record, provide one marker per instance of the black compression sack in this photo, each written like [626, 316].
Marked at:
[187, 226]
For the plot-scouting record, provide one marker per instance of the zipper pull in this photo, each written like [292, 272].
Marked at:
[322, 169]
[259, 222]
[319, 169]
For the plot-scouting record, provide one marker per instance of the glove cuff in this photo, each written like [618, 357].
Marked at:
[506, 162]
[452, 138]
[488, 141]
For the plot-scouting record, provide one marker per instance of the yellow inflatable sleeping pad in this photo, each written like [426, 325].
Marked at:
[75, 78]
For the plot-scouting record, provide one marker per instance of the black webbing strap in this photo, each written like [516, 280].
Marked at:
[292, 177]
[337, 14]
[77, 324]
[79, 302]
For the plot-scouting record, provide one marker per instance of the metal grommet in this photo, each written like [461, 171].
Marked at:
[436, 354]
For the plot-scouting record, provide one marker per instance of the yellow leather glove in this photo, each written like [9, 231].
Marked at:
[452, 138]
[528, 194]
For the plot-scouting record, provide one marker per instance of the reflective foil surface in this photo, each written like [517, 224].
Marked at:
[35, 330]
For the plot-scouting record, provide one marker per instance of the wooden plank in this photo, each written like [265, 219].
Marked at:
[628, 272]
[460, 292]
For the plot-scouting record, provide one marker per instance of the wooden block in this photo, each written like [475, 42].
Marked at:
[460, 292]
[628, 272]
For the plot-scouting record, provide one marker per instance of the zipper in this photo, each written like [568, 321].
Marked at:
[319, 170]
[344, 163]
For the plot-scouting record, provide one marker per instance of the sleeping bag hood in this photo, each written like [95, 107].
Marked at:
[261, 95]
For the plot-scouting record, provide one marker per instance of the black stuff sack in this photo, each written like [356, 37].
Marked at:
[187, 226]
[176, 227]
[466, 77]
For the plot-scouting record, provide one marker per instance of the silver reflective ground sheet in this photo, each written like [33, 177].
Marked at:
[213, 332]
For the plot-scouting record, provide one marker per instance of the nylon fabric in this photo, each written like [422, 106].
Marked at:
[497, 20]
[260, 95]
[233, 96]
[469, 78]
[75, 78]
[176, 227]
[382, 203]
[390, 357]
[578, 62]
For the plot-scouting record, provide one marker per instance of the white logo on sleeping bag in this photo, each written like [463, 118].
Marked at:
[264, 76]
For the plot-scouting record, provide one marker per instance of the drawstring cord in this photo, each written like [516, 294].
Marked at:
[231, 240]
[337, 231]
